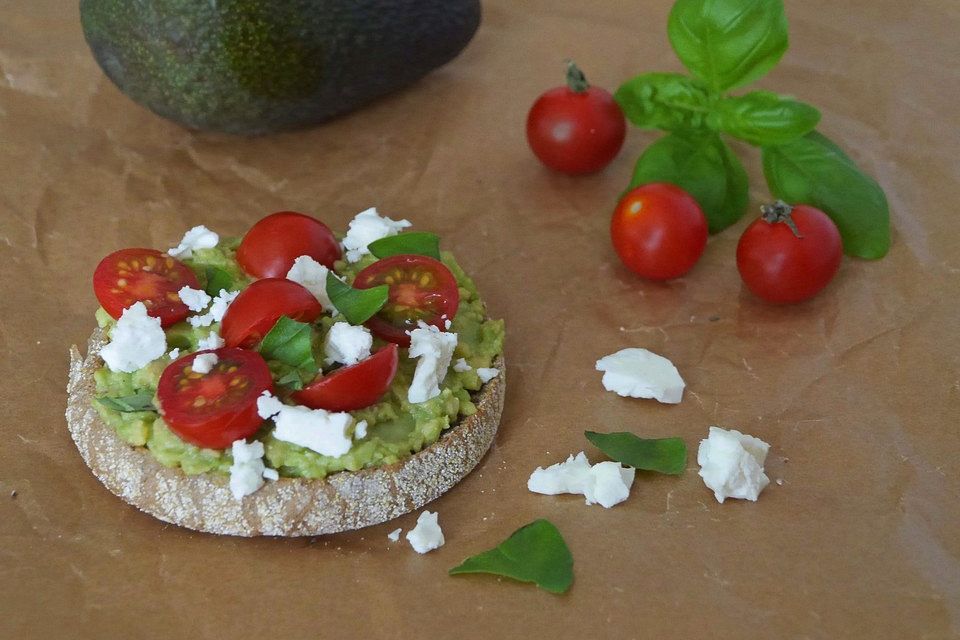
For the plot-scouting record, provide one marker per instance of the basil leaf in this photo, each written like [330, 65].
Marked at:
[217, 279]
[417, 243]
[291, 343]
[813, 170]
[665, 455]
[141, 401]
[356, 305]
[728, 43]
[703, 166]
[670, 101]
[534, 553]
[762, 117]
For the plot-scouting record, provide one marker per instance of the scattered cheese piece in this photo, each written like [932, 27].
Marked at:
[204, 363]
[347, 344]
[212, 341]
[487, 374]
[605, 483]
[435, 349]
[174, 353]
[366, 227]
[311, 274]
[731, 464]
[195, 299]
[394, 535]
[322, 431]
[136, 340]
[426, 536]
[360, 431]
[271, 474]
[248, 471]
[461, 366]
[638, 373]
[198, 237]
[216, 311]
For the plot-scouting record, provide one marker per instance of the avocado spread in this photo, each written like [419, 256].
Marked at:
[395, 428]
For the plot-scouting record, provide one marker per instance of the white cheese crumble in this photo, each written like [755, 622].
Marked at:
[347, 344]
[394, 535]
[248, 471]
[211, 341]
[195, 299]
[638, 373]
[216, 311]
[322, 431]
[461, 366]
[487, 374]
[605, 483]
[731, 464]
[366, 227]
[313, 276]
[360, 431]
[197, 238]
[426, 536]
[435, 349]
[136, 340]
[204, 363]
[174, 353]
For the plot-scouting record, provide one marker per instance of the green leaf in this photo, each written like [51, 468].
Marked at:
[140, 401]
[762, 117]
[534, 553]
[705, 167]
[813, 170]
[665, 455]
[291, 343]
[670, 101]
[728, 43]
[416, 243]
[356, 305]
[218, 279]
[290, 378]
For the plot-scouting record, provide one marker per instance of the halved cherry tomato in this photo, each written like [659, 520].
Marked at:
[421, 288]
[355, 387]
[143, 275]
[258, 307]
[213, 409]
[272, 244]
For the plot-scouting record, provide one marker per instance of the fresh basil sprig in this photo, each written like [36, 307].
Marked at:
[291, 343]
[534, 553]
[140, 401]
[727, 44]
[356, 305]
[417, 243]
[665, 455]
[218, 279]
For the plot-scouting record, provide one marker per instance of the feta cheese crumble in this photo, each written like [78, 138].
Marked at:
[605, 483]
[211, 341]
[322, 431]
[248, 471]
[435, 349]
[216, 311]
[347, 344]
[461, 366]
[136, 340]
[394, 535]
[360, 431]
[366, 227]
[313, 276]
[426, 536]
[198, 237]
[487, 374]
[638, 373]
[204, 363]
[174, 353]
[731, 464]
[195, 299]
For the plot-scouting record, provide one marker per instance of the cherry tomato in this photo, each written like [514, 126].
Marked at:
[659, 231]
[272, 244]
[258, 307]
[213, 409]
[143, 275]
[355, 387]
[577, 128]
[790, 253]
[421, 288]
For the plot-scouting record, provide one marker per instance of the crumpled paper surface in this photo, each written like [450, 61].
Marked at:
[858, 391]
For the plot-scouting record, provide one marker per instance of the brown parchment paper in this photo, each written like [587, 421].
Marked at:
[858, 391]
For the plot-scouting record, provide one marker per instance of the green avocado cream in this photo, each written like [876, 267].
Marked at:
[396, 428]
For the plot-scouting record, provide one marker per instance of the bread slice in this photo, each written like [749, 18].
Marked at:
[290, 506]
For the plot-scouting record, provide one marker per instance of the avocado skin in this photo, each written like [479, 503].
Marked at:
[251, 67]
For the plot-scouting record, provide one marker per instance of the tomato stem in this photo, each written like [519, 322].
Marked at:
[576, 81]
[780, 211]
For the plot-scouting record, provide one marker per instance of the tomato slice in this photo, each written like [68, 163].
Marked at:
[213, 409]
[421, 288]
[272, 244]
[355, 387]
[258, 307]
[143, 275]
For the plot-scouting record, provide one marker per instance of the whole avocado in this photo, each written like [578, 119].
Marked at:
[256, 66]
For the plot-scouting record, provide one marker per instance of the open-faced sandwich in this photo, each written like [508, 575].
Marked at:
[286, 383]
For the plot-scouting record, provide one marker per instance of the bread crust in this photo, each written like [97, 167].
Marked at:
[290, 506]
